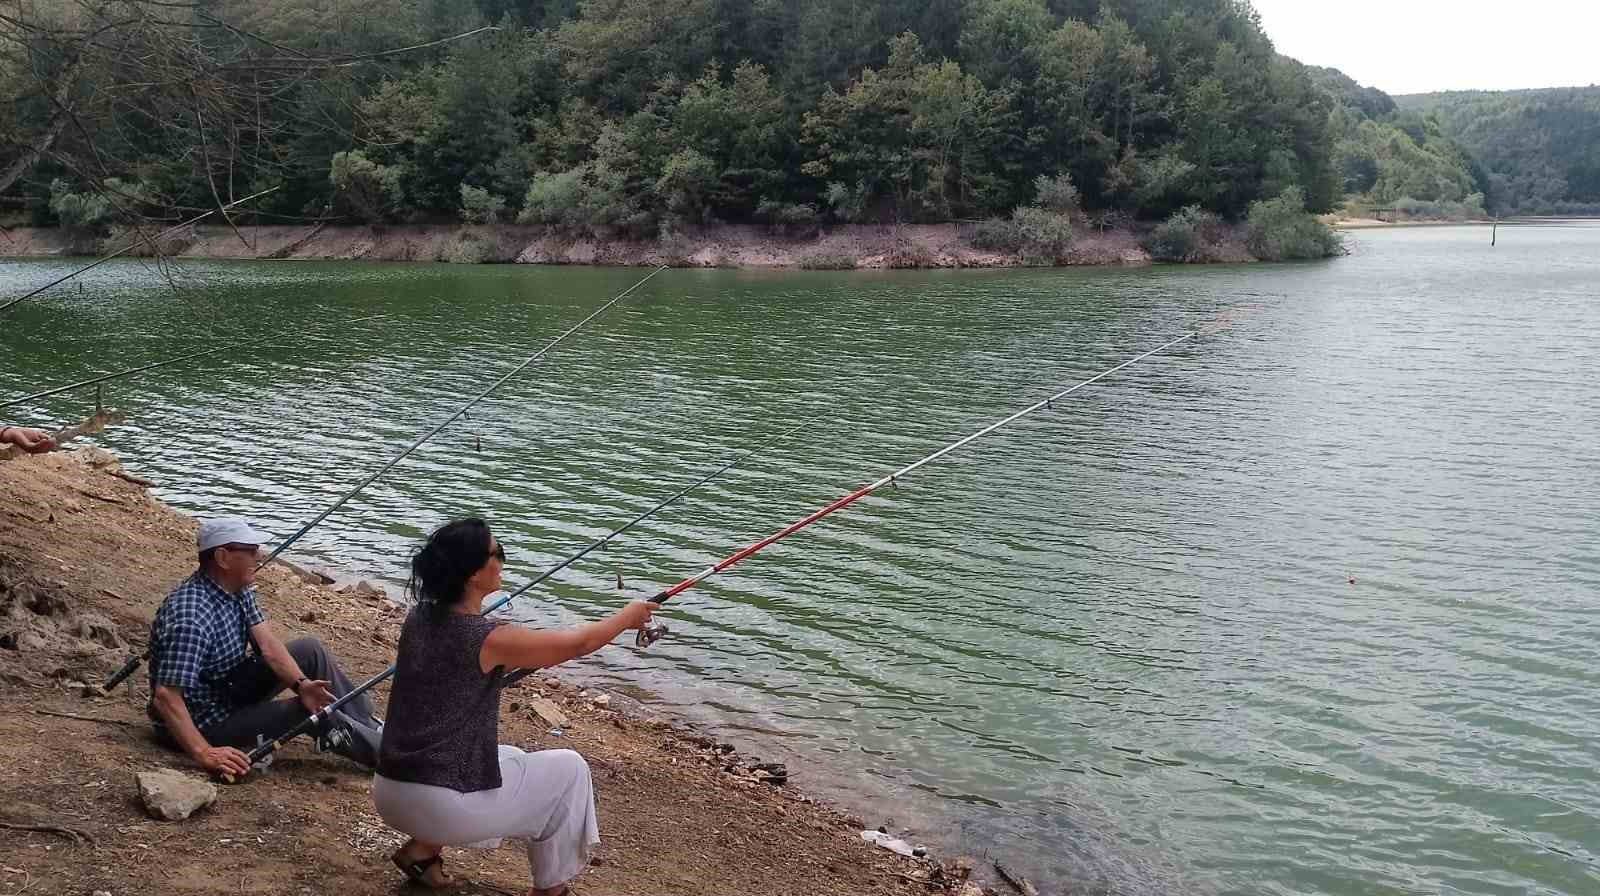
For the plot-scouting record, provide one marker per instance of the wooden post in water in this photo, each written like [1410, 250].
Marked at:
[1494, 233]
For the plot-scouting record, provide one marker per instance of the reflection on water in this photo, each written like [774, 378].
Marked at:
[1305, 606]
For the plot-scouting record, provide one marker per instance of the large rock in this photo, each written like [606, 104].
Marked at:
[304, 574]
[174, 796]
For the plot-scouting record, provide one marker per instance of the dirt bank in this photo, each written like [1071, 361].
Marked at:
[729, 246]
[85, 558]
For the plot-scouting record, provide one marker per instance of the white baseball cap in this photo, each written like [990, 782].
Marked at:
[229, 530]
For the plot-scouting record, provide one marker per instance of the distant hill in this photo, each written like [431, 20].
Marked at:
[1540, 147]
[1386, 157]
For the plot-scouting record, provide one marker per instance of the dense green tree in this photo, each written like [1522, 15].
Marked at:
[1539, 149]
[917, 139]
[638, 115]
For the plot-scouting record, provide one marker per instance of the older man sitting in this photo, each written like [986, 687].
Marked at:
[211, 696]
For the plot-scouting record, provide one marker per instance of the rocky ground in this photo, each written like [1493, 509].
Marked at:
[86, 555]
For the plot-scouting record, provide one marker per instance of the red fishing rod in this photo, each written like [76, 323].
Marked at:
[656, 630]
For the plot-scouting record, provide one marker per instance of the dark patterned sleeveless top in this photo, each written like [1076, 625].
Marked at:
[443, 723]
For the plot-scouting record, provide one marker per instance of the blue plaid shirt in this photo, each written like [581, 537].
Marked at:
[199, 635]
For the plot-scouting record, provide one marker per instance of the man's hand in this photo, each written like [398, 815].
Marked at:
[33, 441]
[223, 761]
[314, 695]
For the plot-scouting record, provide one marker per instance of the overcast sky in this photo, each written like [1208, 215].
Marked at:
[1419, 46]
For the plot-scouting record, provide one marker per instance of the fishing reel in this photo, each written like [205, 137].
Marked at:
[650, 634]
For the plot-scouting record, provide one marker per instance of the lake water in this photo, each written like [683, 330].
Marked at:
[1305, 606]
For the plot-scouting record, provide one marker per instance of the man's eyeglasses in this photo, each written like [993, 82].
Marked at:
[499, 553]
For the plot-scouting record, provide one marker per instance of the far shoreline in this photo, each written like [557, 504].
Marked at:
[1376, 224]
[727, 246]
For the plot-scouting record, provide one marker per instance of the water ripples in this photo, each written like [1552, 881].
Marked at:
[1117, 643]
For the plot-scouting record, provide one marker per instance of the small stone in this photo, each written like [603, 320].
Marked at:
[602, 700]
[102, 893]
[550, 713]
[557, 732]
[516, 706]
[308, 616]
[920, 852]
[596, 861]
[174, 796]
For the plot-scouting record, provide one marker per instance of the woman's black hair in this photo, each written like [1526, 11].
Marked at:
[440, 569]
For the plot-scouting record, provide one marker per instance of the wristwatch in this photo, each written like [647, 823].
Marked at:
[296, 686]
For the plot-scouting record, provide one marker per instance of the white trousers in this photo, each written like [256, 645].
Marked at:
[545, 798]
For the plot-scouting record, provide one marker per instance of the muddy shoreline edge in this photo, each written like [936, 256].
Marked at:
[844, 247]
[85, 557]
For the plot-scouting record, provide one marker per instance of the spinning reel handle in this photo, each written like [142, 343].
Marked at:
[650, 634]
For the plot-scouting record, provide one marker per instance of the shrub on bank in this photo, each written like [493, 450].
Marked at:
[1044, 235]
[1282, 230]
[1191, 235]
[363, 188]
[789, 219]
[997, 235]
[554, 199]
[1057, 194]
[1037, 234]
[479, 206]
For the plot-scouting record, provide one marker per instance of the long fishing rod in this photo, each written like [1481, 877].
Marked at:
[103, 259]
[267, 748]
[104, 378]
[460, 412]
[133, 662]
[656, 630]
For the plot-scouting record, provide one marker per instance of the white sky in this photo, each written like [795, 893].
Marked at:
[1419, 46]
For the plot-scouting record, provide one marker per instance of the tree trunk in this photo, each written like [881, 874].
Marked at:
[42, 144]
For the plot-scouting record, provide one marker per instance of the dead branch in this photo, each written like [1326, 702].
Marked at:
[73, 834]
[72, 715]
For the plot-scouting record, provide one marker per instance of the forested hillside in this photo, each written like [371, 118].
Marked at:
[1398, 160]
[640, 116]
[1541, 147]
